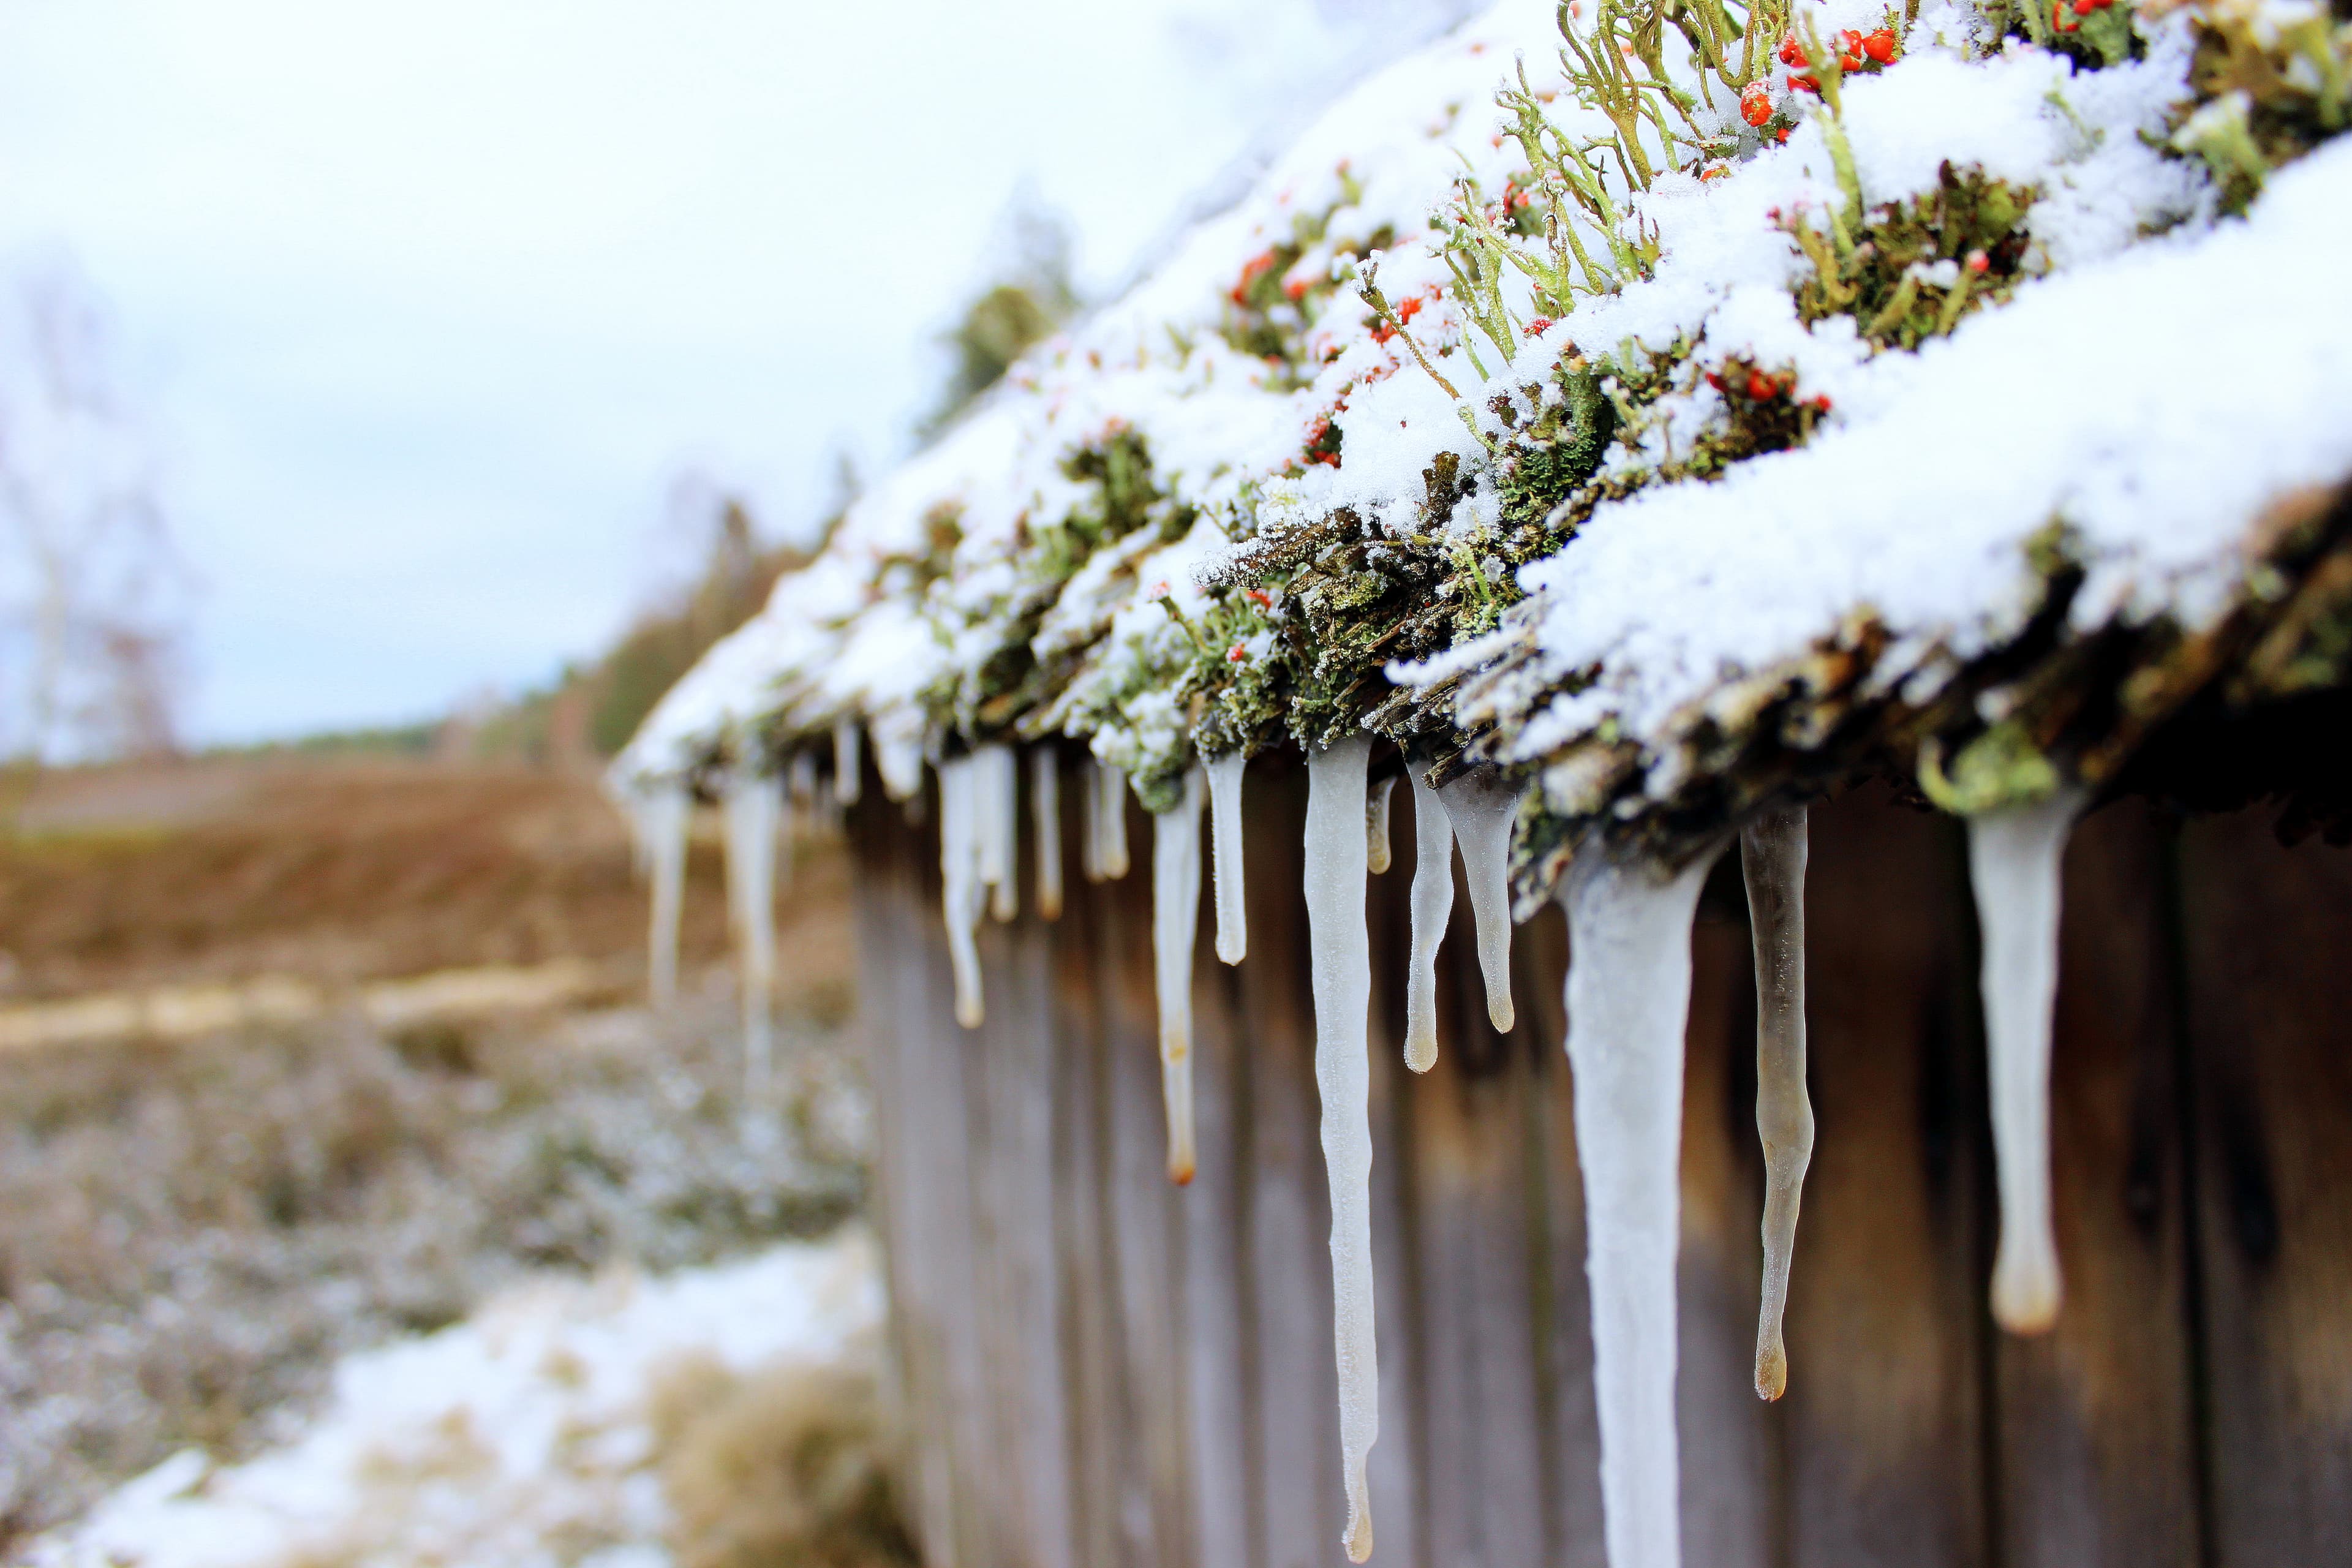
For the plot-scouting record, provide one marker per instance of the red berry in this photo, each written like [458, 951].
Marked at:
[1756, 103]
[1762, 386]
[1790, 52]
[1879, 46]
[1804, 83]
[1537, 327]
[1715, 381]
[1408, 308]
[1977, 262]
[1236, 653]
[1784, 133]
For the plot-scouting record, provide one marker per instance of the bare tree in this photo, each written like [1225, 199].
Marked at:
[92, 593]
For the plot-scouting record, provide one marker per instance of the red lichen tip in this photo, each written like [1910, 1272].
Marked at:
[1756, 103]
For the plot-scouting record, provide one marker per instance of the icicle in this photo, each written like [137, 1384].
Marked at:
[996, 802]
[1481, 806]
[1090, 820]
[1433, 905]
[1225, 844]
[1045, 820]
[1336, 863]
[1628, 1001]
[848, 767]
[1376, 824]
[786, 828]
[665, 815]
[752, 805]
[959, 881]
[1175, 917]
[898, 758]
[801, 774]
[2013, 865]
[1113, 822]
[1772, 851]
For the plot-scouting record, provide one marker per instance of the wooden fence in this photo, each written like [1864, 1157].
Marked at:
[1098, 1369]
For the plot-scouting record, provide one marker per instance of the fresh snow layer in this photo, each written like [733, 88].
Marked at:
[2153, 402]
[492, 1443]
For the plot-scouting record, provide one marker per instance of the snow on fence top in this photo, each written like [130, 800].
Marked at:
[1776, 393]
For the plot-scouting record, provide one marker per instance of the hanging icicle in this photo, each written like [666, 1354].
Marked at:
[960, 882]
[2014, 858]
[664, 816]
[848, 767]
[1112, 820]
[752, 805]
[1481, 807]
[1175, 918]
[1046, 821]
[898, 758]
[1432, 906]
[1773, 851]
[1225, 844]
[1628, 1003]
[800, 773]
[1376, 824]
[1090, 820]
[1337, 864]
[996, 800]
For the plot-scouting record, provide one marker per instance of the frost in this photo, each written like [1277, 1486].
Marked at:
[1433, 905]
[1175, 922]
[752, 807]
[1376, 824]
[1225, 774]
[959, 880]
[1481, 807]
[1628, 1001]
[995, 805]
[2013, 867]
[1046, 819]
[1772, 851]
[1341, 956]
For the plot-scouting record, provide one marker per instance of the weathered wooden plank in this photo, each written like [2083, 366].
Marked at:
[2094, 1437]
[1156, 1492]
[2269, 994]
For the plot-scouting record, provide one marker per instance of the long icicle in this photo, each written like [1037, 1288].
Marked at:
[1432, 906]
[754, 803]
[1090, 820]
[665, 815]
[1376, 826]
[1773, 851]
[2014, 858]
[960, 882]
[996, 802]
[1225, 844]
[1175, 919]
[1340, 949]
[849, 766]
[1628, 1004]
[1482, 807]
[1114, 822]
[1046, 821]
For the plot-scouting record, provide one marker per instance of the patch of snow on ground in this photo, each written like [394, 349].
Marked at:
[512, 1440]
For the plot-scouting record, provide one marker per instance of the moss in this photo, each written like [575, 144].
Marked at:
[2267, 92]
[1917, 265]
[2001, 767]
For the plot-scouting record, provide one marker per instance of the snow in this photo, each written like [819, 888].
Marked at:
[2155, 402]
[492, 1442]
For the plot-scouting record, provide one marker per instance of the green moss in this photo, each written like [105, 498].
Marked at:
[2000, 767]
[2267, 92]
[1917, 265]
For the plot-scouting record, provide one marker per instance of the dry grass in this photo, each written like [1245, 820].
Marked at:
[784, 1467]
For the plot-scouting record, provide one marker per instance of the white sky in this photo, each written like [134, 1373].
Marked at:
[427, 304]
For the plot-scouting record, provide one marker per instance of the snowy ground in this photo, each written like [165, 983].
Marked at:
[525, 1435]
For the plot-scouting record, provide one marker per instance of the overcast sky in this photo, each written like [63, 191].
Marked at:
[426, 305]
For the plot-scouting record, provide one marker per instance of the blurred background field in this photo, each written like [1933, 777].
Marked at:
[193, 1228]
